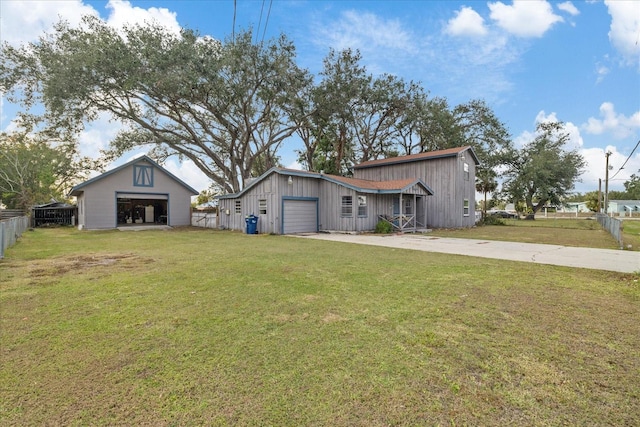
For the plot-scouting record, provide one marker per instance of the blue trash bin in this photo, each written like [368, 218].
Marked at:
[252, 224]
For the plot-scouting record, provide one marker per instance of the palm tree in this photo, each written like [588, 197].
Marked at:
[486, 183]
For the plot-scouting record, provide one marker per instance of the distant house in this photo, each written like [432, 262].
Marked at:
[415, 192]
[140, 192]
[624, 207]
[575, 207]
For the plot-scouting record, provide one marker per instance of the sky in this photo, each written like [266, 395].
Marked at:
[531, 61]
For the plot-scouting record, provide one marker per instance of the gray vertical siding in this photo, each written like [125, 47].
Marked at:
[272, 188]
[99, 198]
[275, 188]
[445, 176]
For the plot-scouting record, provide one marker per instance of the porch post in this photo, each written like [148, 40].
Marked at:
[415, 212]
[401, 219]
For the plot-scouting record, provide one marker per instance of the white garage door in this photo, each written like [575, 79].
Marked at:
[300, 216]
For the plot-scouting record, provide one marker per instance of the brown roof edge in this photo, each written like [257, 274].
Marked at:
[449, 152]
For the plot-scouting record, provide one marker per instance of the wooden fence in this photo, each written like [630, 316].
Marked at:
[10, 230]
[204, 219]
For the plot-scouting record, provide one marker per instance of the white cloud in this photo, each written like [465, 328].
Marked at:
[575, 139]
[367, 32]
[596, 168]
[601, 72]
[24, 21]
[624, 32]
[594, 157]
[188, 172]
[619, 125]
[123, 14]
[569, 8]
[97, 135]
[467, 22]
[524, 18]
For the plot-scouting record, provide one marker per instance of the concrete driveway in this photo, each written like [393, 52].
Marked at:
[598, 259]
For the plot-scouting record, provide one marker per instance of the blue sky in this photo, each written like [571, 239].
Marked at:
[573, 61]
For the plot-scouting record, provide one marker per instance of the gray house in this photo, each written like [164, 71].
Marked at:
[451, 174]
[140, 192]
[396, 190]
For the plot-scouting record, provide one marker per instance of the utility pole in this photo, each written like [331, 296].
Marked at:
[606, 184]
[599, 195]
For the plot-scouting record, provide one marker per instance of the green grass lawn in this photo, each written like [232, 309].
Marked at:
[202, 327]
[565, 232]
[631, 234]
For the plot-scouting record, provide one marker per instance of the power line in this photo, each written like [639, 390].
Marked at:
[625, 162]
[233, 29]
[266, 21]
[259, 21]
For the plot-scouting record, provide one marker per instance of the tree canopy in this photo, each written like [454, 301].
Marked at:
[632, 187]
[221, 105]
[34, 172]
[230, 106]
[543, 171]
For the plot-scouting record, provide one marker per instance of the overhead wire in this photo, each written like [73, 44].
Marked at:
[266, 22]
[259, 21]
[233, 28]
[625, 162]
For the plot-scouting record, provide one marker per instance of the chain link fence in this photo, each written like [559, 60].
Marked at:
[612, 225]
[10, 230]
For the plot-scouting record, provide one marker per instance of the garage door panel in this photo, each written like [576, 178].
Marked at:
[300, 216]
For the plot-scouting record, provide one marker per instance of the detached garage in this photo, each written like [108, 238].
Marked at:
[140, 192]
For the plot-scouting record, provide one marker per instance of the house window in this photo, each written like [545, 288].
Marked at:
[362, 206]
[465, 208]
[466, 171]
[238, 207]
[142, 176]
[347, 206]
[408, 207]
[262, 206]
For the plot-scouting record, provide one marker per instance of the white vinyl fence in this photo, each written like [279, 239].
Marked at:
[10, 230]
[204, 219]
[612, 225]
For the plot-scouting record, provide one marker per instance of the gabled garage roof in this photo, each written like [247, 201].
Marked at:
[430, 155]
[360, 185]
[77, 190]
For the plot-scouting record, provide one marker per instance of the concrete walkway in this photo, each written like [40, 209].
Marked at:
[598, 259]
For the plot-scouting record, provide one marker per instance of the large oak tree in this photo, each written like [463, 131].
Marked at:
[221, 105]
[543, 171]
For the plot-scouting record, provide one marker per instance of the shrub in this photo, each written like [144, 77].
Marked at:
[384, 227]
[492, 220]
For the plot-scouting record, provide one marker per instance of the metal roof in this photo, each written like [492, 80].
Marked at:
[429, 155]
[360, 185]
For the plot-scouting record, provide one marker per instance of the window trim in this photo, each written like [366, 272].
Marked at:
[363, 207]
[142, 176]
[238, 207]
[466, 207]
[262, 206]
[346, 207]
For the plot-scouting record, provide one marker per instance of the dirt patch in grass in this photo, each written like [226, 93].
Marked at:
[42, 271]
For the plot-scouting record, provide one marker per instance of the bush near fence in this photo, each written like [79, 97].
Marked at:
[10, 230]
